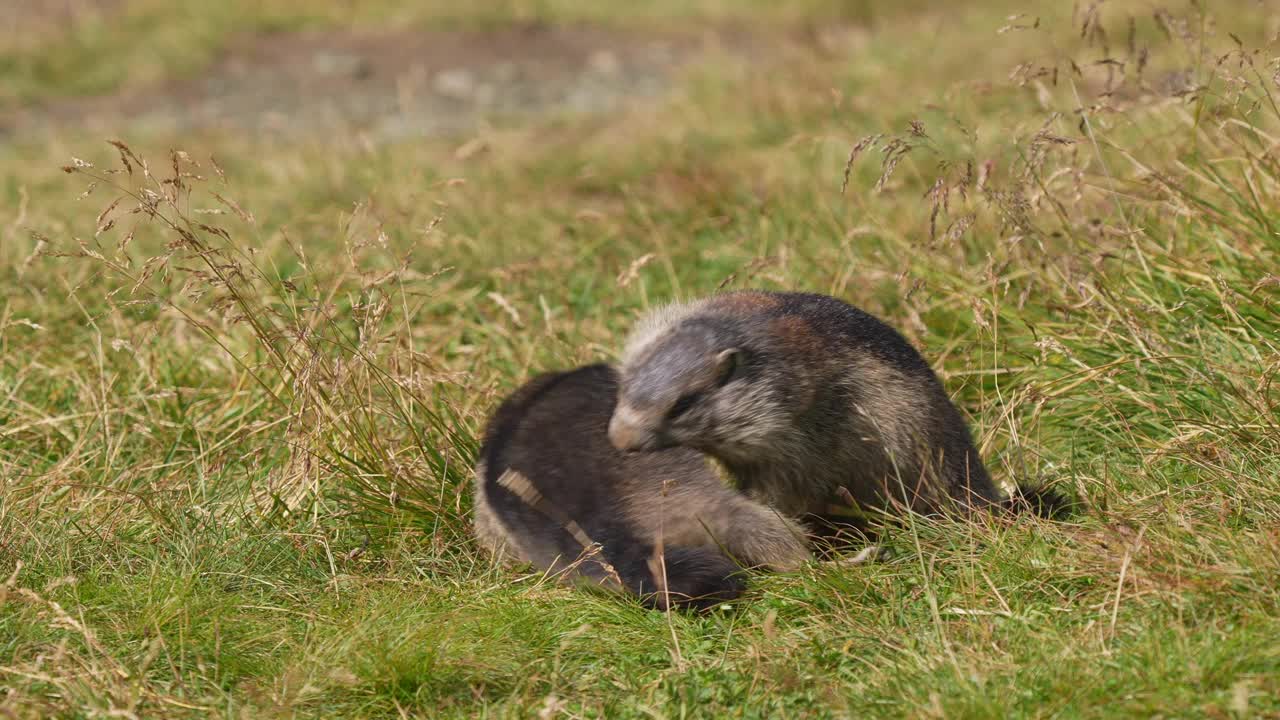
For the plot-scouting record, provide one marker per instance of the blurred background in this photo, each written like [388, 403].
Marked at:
[386, 70]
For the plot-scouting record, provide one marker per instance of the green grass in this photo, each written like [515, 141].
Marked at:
[239, 487]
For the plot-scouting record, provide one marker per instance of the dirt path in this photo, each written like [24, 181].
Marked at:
[401, 84]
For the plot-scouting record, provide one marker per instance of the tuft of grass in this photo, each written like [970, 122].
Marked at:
[240, 387]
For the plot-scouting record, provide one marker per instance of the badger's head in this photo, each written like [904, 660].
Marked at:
[700, 382]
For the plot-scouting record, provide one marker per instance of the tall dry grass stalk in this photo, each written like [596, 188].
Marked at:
[1153, 174]
[361, 414]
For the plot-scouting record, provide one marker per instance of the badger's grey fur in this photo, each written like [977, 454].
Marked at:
[551, 490]
[810, 403]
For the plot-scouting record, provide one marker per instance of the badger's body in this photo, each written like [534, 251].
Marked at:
[811, 404]
[551, 490]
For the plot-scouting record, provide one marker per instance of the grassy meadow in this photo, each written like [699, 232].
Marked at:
[242, 374]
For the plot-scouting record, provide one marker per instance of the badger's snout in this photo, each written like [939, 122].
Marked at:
[629, 432]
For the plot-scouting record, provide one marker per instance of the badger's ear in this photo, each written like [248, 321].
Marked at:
[727, 364]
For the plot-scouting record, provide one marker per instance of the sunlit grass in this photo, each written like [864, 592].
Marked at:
[235, 466]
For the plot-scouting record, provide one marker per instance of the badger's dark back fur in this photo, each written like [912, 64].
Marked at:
[808, 401]
[552, 491]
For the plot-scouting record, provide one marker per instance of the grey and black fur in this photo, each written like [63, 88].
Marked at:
[811, 404]
[551, 490]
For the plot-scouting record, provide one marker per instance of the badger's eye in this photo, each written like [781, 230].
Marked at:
[683, 404]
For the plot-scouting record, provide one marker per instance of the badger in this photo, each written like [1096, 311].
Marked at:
[814, 407]
[553, 492]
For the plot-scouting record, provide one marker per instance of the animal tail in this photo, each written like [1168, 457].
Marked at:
[1041, 501]
[693, 578]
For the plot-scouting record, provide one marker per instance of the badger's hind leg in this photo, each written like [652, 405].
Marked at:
[750, 533]
[759, 536]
